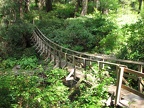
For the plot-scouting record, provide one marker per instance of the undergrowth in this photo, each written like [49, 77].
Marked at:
[41, 86]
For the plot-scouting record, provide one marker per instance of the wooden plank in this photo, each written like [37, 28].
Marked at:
[84, 55]
[134, 72]
[110, 63]
[133, 91]
[69, 76]
[120, 60]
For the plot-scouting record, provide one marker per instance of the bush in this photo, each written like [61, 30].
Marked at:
[27, 91]
[28, 62]
[8, 63]
[64, 10]
[81, 33]
[134, 48]
[17, 37]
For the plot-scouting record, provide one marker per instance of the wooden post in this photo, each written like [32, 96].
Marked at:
[117, 71]
[119, 84]
[65, 57]
[50, 55]
[84, 62]
[90, 61]
[43, 48]
[80, 63]
[59, 55]
[99, 65]
[140, 68]
[73, 60]
[54, 56]
[46, 52]
[74, 72]
[140, 87]
[38, 40]
[74, 66]
[35, 41]
[40, 46]
[103, 64]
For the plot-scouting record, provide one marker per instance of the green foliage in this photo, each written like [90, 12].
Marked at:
[26, 62]
[64, 10]
[30, 91]
[113, 42]
[108, 4]
[94, 96]
[134, 48]
[17, 37]
[81, 33]
[16, 31]
[8, 63]
[91, 6]
[44, 88]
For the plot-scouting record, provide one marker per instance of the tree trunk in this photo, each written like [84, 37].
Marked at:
[27, 9]
[84, 7]
[97, 3]
[20, 9]
[140, 5]
[48, 5]
[76, 7]
[36, 3]
[42, 4]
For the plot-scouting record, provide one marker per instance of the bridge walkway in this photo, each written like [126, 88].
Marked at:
[76, 62]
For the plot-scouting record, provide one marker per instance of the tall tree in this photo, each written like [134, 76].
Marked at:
[36, 3]
[27, 8]
[48, 5]
[84, 7]
[140, 5]
[42, 4]
[106, 5]
[21, 9]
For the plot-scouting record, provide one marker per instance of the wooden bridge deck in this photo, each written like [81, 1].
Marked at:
[122, 96]
[128, 99]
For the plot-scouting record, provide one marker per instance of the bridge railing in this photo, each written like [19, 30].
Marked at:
[65, 51]
[132, 74]
[56, 52]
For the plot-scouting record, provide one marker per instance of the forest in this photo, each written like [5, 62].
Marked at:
[109, 27]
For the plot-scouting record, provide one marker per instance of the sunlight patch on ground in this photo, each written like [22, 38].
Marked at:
[127, 19]
[127, 16]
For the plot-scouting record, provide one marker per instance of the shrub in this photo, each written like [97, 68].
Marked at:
[64, 10]
[28, 62]
[134, 48]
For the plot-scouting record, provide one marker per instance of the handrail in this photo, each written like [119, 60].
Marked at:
[120, 85]
[84, 55]
[79, 57]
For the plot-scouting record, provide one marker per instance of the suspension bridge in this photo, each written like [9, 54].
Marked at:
[77, 62]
